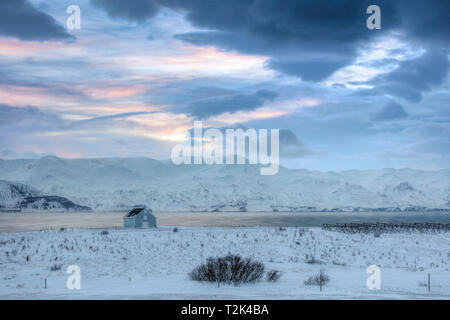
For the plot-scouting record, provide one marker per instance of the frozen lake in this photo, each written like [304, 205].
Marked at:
[21, 221]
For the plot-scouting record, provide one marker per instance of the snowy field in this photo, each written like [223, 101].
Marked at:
[154, 264]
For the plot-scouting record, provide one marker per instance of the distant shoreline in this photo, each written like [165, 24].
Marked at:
[18, 222]
[11, 211]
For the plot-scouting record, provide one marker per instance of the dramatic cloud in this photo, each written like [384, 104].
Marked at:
[302, 38]
[28, 118]
[390, 111]
[19, 19]
[343, 96]
[426, 21]
[414, 77]
[131, 10]
[206, 108]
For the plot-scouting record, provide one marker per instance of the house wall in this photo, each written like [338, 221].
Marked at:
[128, 222]
[140, 219]
[151, 220]
[137, 221]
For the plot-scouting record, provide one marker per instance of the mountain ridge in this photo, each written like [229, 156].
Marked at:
[119, 183]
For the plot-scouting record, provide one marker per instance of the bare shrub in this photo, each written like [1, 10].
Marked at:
[104, 233]
[379, 228]
[56, 267]
[273, 275]
[313, 260]
[320, 279]
[228, 269]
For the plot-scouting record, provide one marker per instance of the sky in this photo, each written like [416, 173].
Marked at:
[138, 73]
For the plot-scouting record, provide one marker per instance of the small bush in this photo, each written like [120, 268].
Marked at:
[313, 260]
[273, 275]
[229, 269]
[56, 267]
[320, 279]
[423, 284]
[104, 233]
[175, 229]
[379, 227]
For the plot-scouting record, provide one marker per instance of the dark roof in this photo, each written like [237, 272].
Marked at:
[134, 212]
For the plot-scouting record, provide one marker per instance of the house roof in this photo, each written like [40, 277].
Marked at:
[134, 212]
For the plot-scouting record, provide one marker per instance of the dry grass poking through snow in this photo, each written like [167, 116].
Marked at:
[162, 251]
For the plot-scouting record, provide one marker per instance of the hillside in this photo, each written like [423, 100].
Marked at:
[20, 196]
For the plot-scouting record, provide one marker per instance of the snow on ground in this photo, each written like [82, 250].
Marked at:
[154, 263]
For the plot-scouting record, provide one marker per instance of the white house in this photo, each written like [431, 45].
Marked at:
[139, 217]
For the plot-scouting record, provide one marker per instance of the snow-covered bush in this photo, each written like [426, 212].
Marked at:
[320, 279]
[378, 228]
[273, 275]
[56, 267]
[229, 269]
[313, 260]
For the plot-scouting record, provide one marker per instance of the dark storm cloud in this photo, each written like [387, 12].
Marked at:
[206, 108]
[414, 77]
[310, 39]
[19, 19]
[426, 21]
[390, 111]
[302, 38]
[310, 69]
[131, 10]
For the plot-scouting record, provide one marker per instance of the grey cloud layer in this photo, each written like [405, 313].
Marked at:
[208, 107]
[390, 111]
[414, 77]
[131, 10]
[26, 117]
[19, 19]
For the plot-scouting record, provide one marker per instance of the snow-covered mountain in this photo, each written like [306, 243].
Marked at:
[118, 183]
[21, 196]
